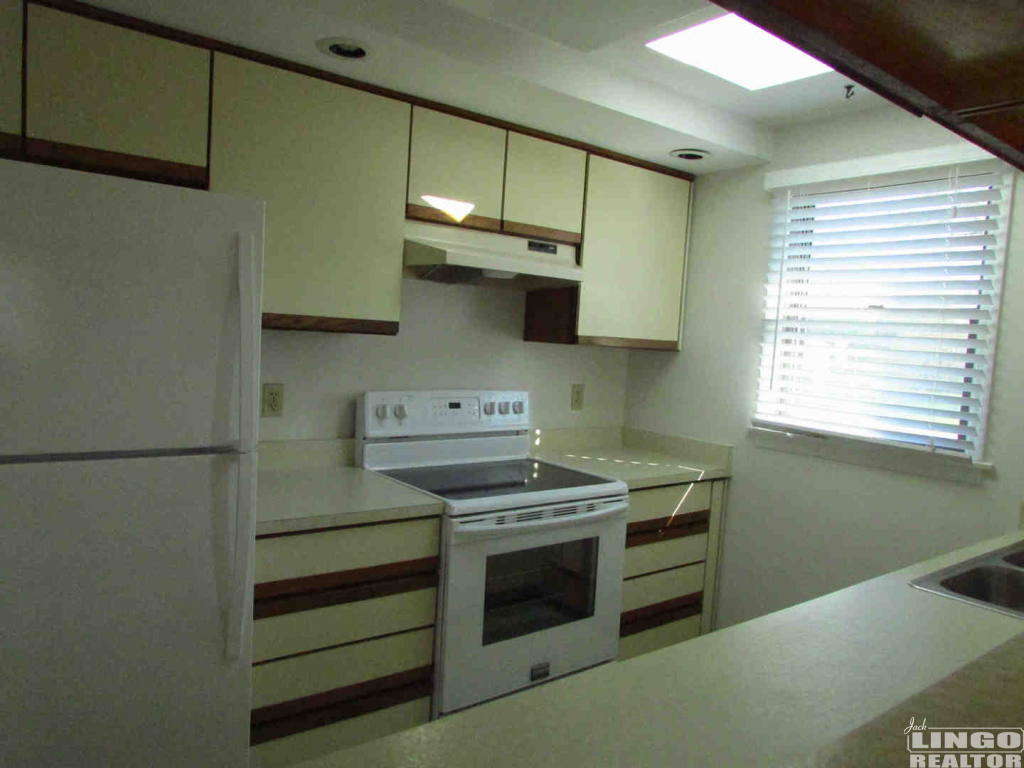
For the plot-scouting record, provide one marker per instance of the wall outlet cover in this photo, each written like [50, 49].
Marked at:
[577, 397]
[273, 400]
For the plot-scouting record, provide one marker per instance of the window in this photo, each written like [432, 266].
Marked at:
[881, 308]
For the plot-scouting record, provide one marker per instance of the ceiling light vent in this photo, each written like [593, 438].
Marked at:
[689, 154]
[341, 47]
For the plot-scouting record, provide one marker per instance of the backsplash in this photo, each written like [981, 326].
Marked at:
[451, 336]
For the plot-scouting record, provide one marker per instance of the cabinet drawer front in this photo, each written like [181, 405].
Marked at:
[278, 636]
[347, 733]
[664, 502]
[659, 587]
[659, 637]
[289, 557]
[664, 554]
[79, 90]
[312, 673]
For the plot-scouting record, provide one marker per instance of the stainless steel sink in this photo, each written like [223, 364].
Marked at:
[994, 580]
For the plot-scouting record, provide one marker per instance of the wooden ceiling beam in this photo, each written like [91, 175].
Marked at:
[916, 57]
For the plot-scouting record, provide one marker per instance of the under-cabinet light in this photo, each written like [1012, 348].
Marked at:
[739, 52]
[457, 209]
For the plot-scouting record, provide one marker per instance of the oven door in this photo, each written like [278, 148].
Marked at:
[528, 595]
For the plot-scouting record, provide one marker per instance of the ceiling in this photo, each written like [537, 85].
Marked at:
[577, 68]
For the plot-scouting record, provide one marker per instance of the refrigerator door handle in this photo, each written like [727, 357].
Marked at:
[241, 571]
[249, 328]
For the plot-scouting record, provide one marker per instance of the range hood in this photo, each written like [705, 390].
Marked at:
[454, 255]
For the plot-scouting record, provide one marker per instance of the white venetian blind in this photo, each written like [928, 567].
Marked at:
[880, 308]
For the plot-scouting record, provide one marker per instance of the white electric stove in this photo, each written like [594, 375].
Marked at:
[531, 552]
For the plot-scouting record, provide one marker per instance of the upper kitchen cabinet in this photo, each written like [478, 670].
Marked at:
[455, 160]
[330, 162]
[10, 74]
[544, 189]
[103, 97]
[634, 257]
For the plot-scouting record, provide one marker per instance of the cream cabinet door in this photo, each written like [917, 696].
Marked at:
[330, 162]
[91, 84]
[544, 187]
[10, 67]
[634, 256]
[456, 159]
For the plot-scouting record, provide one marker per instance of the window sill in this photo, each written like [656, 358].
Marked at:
[865, 453]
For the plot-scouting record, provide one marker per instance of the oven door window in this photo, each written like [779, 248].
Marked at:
[531, 590]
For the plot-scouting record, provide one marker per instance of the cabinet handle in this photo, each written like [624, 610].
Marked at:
[248, 352]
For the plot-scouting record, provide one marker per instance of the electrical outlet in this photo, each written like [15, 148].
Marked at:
[273, 400]
[577, 397]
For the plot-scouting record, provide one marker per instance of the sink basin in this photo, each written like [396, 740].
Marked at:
[994, 580]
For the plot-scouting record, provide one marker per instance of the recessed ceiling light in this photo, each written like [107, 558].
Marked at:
[690, 153]
[341, 47]
[739, 52]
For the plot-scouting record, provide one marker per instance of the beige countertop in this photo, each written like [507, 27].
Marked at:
[303, 498]
[637, 467]
[308, 484]
[766, 692]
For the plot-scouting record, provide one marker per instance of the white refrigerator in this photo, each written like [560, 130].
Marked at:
[129, 351]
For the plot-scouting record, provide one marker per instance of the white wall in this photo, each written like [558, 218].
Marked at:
[797, 526]
[450, 336]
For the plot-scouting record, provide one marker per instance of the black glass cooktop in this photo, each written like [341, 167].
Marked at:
[492, 478]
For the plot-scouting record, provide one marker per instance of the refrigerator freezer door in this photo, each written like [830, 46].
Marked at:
[122, 312]
[119, 600]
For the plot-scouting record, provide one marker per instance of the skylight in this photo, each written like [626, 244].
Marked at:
[739, 52]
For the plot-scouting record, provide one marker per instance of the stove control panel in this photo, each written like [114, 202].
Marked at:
[441, 412]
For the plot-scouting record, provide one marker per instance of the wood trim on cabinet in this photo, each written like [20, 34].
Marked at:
[666, 534]
[665, 612]
[666, 528]
[551, 315]
[200, 41]
[355, 577]
[279, 606]
[544, 233]
[433, 215]
[305, 531]
[10, 145]
[616, 341]
[291, 717]
[276, 321]
[115, 163]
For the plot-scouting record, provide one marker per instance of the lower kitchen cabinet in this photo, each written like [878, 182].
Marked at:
[343, 637]
[671, 565]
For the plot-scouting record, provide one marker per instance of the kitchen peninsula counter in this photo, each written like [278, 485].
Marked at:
[766, 692]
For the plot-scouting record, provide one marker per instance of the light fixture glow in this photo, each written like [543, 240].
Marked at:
[457, 209]
[739, 52]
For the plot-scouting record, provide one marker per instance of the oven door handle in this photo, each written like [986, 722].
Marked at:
[462, 533]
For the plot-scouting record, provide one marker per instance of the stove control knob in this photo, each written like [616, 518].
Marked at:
[382, 411]
[517, 406]
[503, 408]
[400, 412]
[488, 409]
